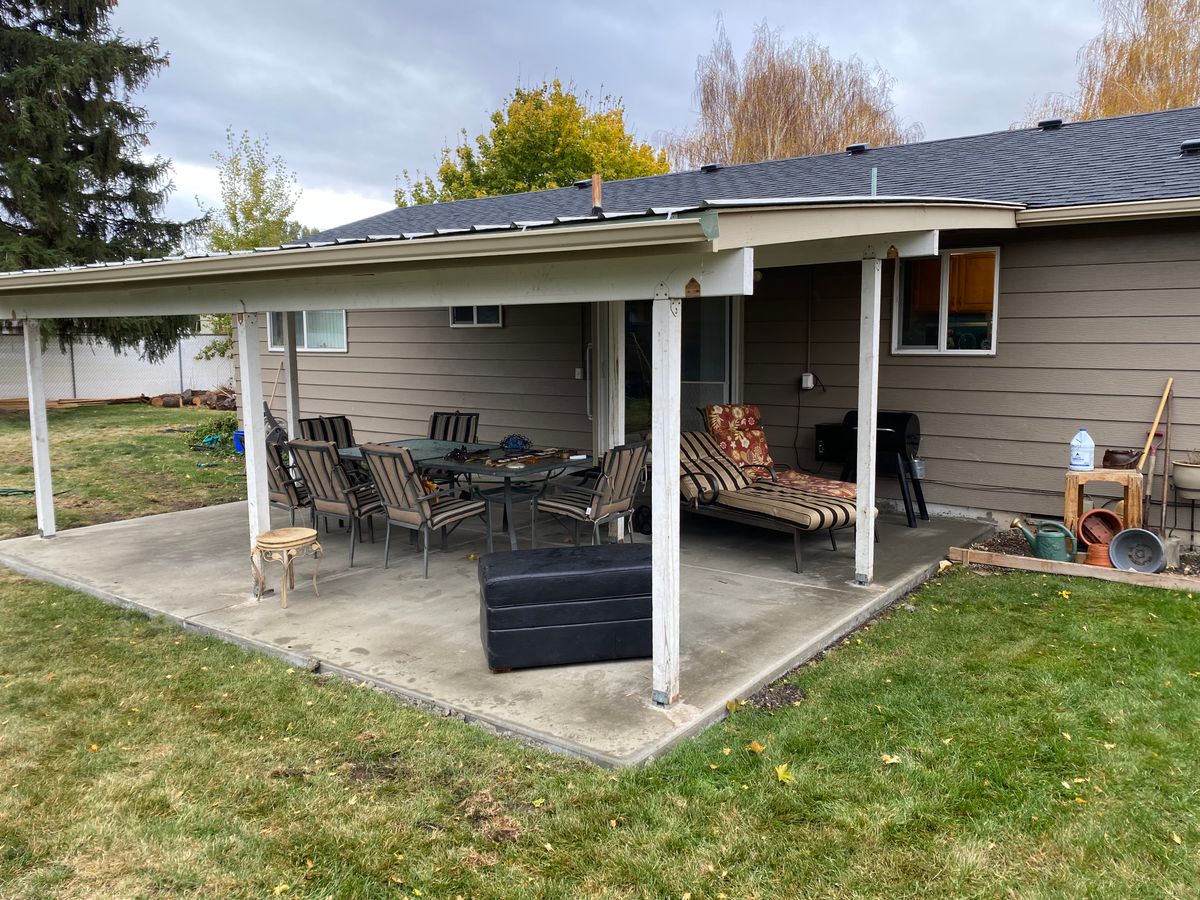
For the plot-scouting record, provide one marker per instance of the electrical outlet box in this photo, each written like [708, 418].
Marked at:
[808, 381]
[579, 374]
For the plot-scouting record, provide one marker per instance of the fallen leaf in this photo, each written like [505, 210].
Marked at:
[756, 747]
[782, 773]
[540, 802]
[1110, 746]
[281, 889]
[712, 765]
[548, 847]
[612, 823]
[93, 748]
[889, 760]
[1080, 800]
[1066, 595]
[947, 741]
[726, 750]
[1067, 736]
[1176, 838]
[731, 706]
[944, 565]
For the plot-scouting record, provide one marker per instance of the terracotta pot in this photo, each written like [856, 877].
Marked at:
[1098, 526]
[1097, 555]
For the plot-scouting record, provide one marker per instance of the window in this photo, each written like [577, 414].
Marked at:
[947, 304]
[475, 317]
[317, 330]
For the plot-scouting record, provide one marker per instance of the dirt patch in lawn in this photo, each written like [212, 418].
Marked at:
[780, 695]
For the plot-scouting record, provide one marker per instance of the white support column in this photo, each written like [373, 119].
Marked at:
[291, 385]
[613, 360]
[250, 373]
[38, 429]
[664, 493]
[868, 412]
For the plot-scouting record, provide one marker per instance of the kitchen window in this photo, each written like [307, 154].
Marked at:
[317, 330]
[947, 304]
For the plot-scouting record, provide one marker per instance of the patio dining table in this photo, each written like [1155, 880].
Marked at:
[509, 470]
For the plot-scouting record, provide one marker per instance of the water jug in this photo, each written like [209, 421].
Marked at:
[1083, 452]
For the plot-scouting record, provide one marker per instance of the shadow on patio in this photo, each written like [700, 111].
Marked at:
[746, 616]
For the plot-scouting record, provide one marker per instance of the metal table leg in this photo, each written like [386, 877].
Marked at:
[508, 513]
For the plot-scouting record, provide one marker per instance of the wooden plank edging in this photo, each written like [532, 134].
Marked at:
[967, 556]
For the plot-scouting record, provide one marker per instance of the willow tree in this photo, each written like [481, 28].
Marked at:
[1145, 58]
[543, 137]
[785, 98]
[75, 185]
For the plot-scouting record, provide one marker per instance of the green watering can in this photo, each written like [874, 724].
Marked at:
[1053, 540]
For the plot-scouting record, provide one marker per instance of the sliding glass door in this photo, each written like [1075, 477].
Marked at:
[707, 361]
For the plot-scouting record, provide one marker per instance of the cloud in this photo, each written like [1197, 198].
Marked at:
[351, 94]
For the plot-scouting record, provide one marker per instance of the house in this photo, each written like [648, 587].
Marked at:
[1006, 287]
[1071, 310]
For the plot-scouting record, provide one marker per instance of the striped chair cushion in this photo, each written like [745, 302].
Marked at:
[460, 427]
[702, 464]
[805, 510]
[574, 503]
[447, 512]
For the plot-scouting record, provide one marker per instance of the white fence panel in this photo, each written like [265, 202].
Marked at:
[94, 371]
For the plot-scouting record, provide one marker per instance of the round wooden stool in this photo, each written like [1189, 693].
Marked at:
[284, 545]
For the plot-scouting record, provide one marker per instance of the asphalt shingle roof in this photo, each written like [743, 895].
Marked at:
[1103, 161]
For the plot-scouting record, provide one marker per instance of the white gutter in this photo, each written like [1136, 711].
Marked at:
[344, 258]
[1111, 212]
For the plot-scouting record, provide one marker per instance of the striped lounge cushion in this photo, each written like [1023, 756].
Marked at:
[702, 464]
[804, 509]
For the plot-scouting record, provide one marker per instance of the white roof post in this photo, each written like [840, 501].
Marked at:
[868, 413]
[291, 375]
[38, 428]
[254, 424]
[664, 493]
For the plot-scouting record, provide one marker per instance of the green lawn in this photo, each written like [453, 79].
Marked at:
[113, 462]
[1010, 735]
[994, 738]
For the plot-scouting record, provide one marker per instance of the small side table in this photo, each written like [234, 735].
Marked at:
[284, 545]
[1130, 479]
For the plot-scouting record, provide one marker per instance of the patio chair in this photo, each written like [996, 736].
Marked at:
[460, 427]
[336, 492]
[621, 476]
[737, 429]
[337, 430]
[409, 503]
[285, 486]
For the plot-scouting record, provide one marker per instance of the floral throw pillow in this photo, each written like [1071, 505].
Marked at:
[737, 429]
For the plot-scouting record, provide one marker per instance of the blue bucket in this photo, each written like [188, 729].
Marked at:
[239, 441]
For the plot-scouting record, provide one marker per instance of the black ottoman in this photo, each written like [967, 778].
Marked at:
[557, 605]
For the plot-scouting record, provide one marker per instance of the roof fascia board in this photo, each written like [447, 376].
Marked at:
[906, 245]
[791, 225]
[485, 245]
[563, 279]
[1110, 212]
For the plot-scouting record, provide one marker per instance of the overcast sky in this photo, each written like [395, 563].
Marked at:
[351, 93]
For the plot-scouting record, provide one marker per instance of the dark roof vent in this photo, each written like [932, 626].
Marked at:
[1190, 148]
[1050, 124]
[711, 167]
[855, 149]
[583, 183]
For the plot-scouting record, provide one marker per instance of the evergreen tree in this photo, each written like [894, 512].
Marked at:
[74, 186]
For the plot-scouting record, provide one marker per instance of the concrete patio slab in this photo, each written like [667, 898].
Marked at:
[746, 617]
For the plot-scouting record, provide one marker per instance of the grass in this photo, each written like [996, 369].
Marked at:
[113, 462]
[1012, 735]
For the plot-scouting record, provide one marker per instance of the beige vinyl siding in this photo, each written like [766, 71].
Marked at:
[402, 365]
[1092, 321]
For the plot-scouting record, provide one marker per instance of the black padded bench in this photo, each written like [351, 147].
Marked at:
[558, 605]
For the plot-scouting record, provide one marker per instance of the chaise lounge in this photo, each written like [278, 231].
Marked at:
[713, 485]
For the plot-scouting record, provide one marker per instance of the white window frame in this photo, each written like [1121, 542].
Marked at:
[944, 308]
[275, 341]
[499, 323]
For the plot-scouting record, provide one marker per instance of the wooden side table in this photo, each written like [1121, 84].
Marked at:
[1130, 479]
[284, 545]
